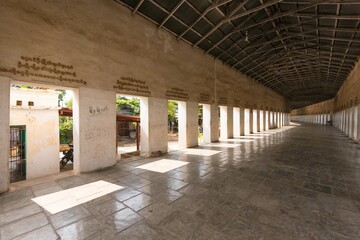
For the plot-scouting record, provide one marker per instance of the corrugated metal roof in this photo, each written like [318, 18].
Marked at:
[304, 50]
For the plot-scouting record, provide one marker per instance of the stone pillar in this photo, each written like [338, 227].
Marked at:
[94, 116]
[247, 121]
[242, 121]
[223, 122]
[274, 120]
[230, 122]
[188, 124]
[264, 120]
[358, 123]
[154, 125]
[211, 123]
[251, 122]
[267, 120]
[236, 121]
[4, 133]
[259, 120]
[351, 122]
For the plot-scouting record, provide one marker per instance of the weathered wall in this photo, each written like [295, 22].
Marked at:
[100, 44]
[94, 129]
[4, 133]
[42, 129]
[42, 140]
[321, 107]
[349, 93]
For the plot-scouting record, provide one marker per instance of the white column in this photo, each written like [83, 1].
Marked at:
[351, 122]
[355, 123]
[347, 124]
[247, 122]
[358, 122]
[261, 121]
[236, 121]
[254, 121]
[154, 125]
[188, 124]
[211, 123]
[4, 133]
[267, 120]
[230, 123]
[242, 121]
[94, 116]
[223, 122]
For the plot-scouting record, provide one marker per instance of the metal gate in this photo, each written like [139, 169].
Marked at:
[17, 158]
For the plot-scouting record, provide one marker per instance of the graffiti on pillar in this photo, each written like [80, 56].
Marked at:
[223, 101]
[97, 110]
[204, 97]
[44, 71]
[96, 133]
[177, 93]
[133, 86]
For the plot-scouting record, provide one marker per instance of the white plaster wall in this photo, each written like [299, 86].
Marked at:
[267, 120]
[356, 123]
[97, 125]
[153, 117]
[188, 124]
[214, 122]
[206, 123]
[255, 121]
[247, 122]
[42, 140]
[223, 122]
[242, 121]
[103, 41]
[4, 133]
[230, 124]
[41, 98]
[236, 121]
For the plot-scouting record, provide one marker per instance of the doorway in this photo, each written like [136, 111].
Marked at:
[17, 158]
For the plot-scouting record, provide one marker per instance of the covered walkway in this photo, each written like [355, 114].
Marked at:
[297, 182]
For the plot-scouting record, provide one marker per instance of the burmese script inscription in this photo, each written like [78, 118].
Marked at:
[42, 70]
[177, 93]
[132, 85]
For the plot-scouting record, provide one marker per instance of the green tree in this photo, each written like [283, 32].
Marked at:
[66, 129]
[69, 104]
[172, 111]
[61, 96]
[131, 106]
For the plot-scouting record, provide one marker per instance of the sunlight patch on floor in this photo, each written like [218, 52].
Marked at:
[163, 165]
[224, 145]
[238, 140]
[250, 136]
[62, 200]
[200, 152]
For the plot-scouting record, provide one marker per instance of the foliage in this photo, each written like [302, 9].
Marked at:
[65, 123]
[66, 130]
[131, 106]
[69, 103]
[61, 95]
[172, 112]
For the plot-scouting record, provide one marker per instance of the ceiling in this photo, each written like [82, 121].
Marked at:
[303, 50]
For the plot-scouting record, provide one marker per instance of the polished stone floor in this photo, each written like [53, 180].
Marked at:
[298, 182]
